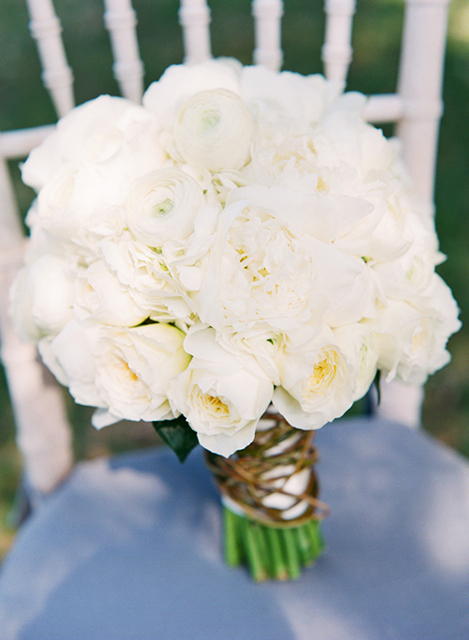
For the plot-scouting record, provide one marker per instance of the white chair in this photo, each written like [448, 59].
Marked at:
[130, 548]
[43, 433]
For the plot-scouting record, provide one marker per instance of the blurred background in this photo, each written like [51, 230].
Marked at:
[377, 28]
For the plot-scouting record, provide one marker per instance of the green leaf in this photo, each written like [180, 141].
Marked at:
[377, 382]
[178, 435]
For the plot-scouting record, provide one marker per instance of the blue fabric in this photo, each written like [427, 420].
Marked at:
[130, 549]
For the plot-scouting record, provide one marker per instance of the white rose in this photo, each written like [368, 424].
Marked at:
[134, 368]
[413, 337]
[79, 198]
[411, 274]
[221, 398]
[214, 129]
[318, 383]
[163, 206]
[100, 296]
[70, 357]
[107, 131]
[287, 95]
[360, 346]
[343, 138]
[259, 343]
[42, 297]
[143, 271]
[179, 82]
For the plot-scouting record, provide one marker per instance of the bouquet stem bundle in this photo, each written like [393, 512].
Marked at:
[271, 511]
[269, 552]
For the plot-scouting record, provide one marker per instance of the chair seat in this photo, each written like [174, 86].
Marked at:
[130, 548]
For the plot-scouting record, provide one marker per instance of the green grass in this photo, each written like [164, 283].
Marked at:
[24, 102]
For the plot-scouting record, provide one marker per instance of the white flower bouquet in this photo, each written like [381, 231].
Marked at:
[243, 240]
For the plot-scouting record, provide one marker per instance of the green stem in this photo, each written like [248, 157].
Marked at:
[291, 553]
[305, 544]
[316, 537]
[253, 551]
[270, 552]
[278, 564]
[233, 553]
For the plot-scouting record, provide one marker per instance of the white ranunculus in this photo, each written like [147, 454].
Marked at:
[318, 383]
[221, 398]
[100, 296]
[163, 206]
[134, 368]
[214, 129]
[108, 131]
[179, 82]
[42, 297]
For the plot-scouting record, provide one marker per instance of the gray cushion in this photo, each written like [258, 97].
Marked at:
[130, 549]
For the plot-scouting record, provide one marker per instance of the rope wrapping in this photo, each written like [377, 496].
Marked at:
[249, 478]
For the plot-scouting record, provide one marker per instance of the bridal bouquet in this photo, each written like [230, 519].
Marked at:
[235, 260]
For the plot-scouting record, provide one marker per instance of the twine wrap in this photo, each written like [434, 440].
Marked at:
[251, 477]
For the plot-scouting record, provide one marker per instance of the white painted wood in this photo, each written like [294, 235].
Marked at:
[383, 108]
[18, 144]
[121, 22]
[57, 76]
[337, 49]
[43, 433]
[419, 89]
[401, 403]
[267, 29]
[194, 18]
[420, 86]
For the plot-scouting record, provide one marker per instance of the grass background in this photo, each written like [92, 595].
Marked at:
[376, 41]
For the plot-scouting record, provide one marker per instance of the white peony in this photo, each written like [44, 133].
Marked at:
[259, 274]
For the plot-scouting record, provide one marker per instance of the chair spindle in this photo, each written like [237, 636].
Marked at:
[267, 21]
[337, 50]
[121, 21]
[420, 88]
[57, 76]
[194, 18]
